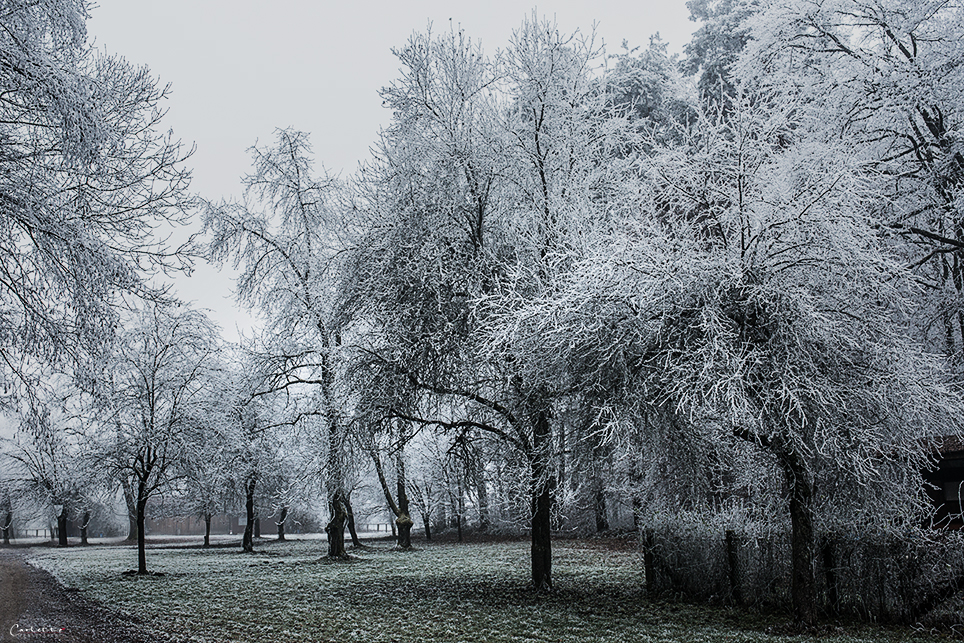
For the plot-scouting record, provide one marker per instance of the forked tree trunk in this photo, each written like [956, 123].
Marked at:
[541, 504]
[281, 522]
[402, 526]
[207, 530]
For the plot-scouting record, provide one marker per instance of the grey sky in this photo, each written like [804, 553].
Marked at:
[241, 68]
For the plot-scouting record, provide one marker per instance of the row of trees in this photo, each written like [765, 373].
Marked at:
[542, 249]
[728, 286]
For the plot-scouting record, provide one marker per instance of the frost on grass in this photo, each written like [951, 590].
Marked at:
[437, 593]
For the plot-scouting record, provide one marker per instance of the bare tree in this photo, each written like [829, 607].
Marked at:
[161, 372]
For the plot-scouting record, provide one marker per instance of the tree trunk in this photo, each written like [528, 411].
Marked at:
[247, 542]
[483, 493]
[427, 524]
[351, 522]
[207, 530]
[649, 560]
[803, 593]
[404, 519]
[141, 544]
[281, 523]
[62, 527]
[257, 526]
[336, 525]
[541, 504]
[599, 507]
[83, 527]
[459, 511]
[7, 525]
[337, 497]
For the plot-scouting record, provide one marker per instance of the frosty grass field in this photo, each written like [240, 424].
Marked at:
[437, 592]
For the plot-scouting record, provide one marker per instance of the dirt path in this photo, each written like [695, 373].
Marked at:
[35, 607]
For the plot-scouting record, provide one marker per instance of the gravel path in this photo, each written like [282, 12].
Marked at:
[35, 607]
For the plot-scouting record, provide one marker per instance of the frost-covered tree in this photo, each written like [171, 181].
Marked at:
[49, 458]
[716, 45]
[161, 375]
[489, 182]
[205, 474]
[885, 79]
[286, 237]
[750, 297]
[252, 423]
[87, 177]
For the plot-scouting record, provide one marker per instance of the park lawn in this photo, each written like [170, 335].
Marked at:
[435, 593]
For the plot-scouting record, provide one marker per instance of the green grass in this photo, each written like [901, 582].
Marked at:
[437, 593]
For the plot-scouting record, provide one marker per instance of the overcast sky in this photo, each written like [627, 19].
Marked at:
[241, 68]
